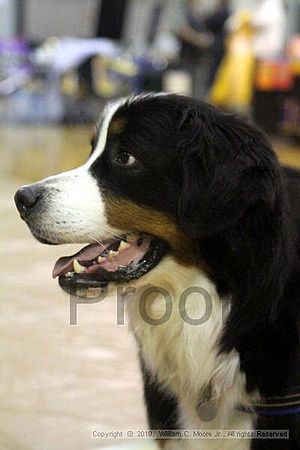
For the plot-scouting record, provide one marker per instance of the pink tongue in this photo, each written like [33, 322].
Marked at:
[91, 251]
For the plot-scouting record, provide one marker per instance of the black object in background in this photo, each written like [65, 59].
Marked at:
[111, 19]
[267, 108]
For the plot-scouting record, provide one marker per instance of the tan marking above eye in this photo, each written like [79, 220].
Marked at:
[128, 216]
[117, 126]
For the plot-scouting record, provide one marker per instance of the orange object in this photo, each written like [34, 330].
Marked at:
[273, 76]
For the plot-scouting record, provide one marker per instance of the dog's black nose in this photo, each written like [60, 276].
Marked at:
[25, 198]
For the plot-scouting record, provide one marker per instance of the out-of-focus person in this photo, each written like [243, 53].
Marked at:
[215, 23]
[192, 30]
[195, 44]
[184, 21]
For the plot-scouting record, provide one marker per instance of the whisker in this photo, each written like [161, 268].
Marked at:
[95, 239]
[111, 233]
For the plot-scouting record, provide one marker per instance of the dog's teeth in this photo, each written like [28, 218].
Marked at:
[123, 245]
[69, 274]
[111, 254]
[78, 268]
[100, 259]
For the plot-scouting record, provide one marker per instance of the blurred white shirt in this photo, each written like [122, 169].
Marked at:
[271, 20]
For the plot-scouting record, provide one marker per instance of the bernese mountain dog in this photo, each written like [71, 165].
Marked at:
[189, 207]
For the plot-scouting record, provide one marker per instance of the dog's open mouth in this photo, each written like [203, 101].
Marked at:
[120, 260]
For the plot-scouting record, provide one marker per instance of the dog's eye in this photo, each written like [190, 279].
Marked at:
[126, 159]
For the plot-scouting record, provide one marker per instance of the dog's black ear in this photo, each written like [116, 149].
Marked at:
[228, 167]
[234, 206]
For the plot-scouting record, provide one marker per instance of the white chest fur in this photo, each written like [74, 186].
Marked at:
[182, 351]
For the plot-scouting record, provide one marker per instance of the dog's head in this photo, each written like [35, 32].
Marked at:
[165, 172]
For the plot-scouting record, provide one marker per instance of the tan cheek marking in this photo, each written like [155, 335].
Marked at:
[129, 216]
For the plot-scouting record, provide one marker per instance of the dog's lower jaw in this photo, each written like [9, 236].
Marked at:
[181, 354]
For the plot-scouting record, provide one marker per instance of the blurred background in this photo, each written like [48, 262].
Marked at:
[60, 62]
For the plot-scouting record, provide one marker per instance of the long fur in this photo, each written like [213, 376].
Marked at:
[210, 185]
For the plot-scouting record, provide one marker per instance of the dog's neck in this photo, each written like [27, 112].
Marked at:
[177, 318]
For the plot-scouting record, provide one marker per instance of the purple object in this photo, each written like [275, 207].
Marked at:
[15, 68]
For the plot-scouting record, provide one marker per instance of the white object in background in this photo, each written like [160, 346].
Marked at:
[65, 54]
[45, 18]
[177, 82]
[270, 20]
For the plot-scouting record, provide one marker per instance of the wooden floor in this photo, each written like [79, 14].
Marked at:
[58, 382]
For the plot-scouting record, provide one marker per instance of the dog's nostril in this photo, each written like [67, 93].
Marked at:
[25, 198]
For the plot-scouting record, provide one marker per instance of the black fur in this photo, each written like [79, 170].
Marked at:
[220, 180]
[162, 407]
[219, 177]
